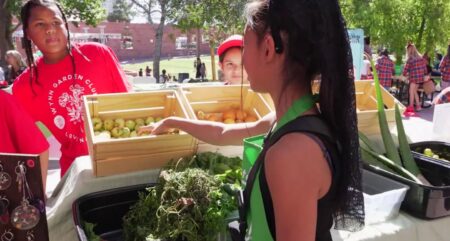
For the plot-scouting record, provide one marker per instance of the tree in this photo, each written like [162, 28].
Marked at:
[392, 23]
[8, 9]
[121, 12]
[89, 11]
[217, 18]
[149, 7]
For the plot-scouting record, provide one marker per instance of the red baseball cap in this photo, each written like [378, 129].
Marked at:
[230, 42]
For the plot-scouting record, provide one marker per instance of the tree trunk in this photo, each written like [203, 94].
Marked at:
[149, 13]
[213, 61]
[159, 39]
[5, 33]
[421, 30]
[199, 42]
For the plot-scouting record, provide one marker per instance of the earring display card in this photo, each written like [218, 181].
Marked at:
[22, 199]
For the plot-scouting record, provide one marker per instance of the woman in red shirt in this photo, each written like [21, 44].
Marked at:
[52, 87]
[19, 132]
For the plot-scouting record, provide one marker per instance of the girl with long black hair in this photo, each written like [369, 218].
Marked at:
[308, 173]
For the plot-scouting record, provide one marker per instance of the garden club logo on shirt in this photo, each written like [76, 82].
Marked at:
[65, 102]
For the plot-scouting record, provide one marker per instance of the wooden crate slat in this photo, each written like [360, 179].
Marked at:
[142, 146]
[151, 161]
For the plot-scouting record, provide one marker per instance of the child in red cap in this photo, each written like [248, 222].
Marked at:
[230, 60]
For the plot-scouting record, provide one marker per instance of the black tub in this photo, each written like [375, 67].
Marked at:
[440, 148]
[105, 209]
[426, 202]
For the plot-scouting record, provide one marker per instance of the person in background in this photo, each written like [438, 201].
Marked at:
[3, 82]
[443, 97]
[16, 65]
[366, 68]
[203, 71]
[148, 71]
[385, 69]
[20, 135]
[437, 60]
[163, 78]
[140, 73]
[230, 60]
[52, 87]
[444, 67]
[304, 180]
[415, 70]
[427, 59]
[2, 74]
[198, 66]
[367, 47]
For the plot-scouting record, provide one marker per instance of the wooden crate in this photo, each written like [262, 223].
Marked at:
[366, 103]
[366, 106]
[269, 100]
[114, 156]
[216, 99]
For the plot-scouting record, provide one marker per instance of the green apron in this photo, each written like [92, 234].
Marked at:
[258, 229]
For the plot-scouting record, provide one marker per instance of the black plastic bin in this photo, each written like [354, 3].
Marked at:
[440, 148]
[182, 77]
[426, 202]
[105, 209]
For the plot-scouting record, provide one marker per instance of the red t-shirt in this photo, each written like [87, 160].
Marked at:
[19, 133]
[57, 101]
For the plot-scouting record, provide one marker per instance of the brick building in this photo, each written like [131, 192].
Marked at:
[133, 41]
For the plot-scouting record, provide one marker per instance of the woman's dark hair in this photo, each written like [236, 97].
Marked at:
[25, 14]
[315, 41]
[385, 52]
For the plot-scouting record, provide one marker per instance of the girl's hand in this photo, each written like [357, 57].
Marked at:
[157, 128]
[437, 99]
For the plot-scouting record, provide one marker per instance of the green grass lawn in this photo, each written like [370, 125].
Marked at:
[176, 65]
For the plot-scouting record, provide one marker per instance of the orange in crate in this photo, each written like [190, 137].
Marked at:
[226, 103]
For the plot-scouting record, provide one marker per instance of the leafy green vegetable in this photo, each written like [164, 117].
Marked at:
[89, 232]
[391, 149]
[189, 202]
[391, 165]
[408, 160]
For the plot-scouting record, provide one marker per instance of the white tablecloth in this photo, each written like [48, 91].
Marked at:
[402, 228]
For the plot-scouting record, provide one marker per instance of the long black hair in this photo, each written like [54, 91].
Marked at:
[25, 14]
[313, 35]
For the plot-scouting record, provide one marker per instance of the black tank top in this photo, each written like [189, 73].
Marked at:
[324, 207]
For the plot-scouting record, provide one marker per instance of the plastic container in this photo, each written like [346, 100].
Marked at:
[382, 197]
[441, 125]
[440, 148]
[426, 202]
[105, 209]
